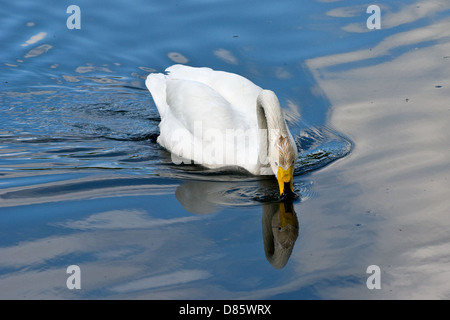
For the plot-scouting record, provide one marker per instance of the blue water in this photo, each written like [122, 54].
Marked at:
[83, 181]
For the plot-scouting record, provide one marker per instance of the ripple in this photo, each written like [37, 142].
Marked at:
[43, 48]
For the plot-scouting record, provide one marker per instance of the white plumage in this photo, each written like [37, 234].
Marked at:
[220, 119]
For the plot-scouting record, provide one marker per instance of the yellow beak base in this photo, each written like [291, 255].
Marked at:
[286, 180]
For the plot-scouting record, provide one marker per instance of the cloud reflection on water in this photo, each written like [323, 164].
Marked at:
[396, 111]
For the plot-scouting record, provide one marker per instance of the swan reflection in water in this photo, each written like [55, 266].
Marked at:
[279, 219]
[280, 231]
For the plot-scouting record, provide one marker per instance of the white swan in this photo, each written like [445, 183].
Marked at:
[220, 119]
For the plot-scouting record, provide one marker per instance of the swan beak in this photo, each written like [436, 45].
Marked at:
[286, 181]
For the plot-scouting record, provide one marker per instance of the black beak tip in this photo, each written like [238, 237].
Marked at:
[288, 194]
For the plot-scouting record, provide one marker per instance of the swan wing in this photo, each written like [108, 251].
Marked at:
[193, 103]
[240, 92]
[198, 122]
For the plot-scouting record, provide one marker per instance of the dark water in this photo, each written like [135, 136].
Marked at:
[83, 181]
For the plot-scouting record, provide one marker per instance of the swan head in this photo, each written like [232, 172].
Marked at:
[282, 164]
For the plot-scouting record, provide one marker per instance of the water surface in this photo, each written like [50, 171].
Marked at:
[83, 181]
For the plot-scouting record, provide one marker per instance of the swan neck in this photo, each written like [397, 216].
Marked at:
[269, 113]
[271, 125]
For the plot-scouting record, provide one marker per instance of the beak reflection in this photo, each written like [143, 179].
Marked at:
[280, 231]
